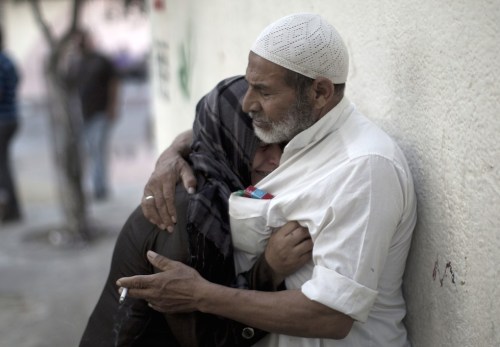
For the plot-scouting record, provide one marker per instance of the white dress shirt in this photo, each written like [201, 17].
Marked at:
[347, 182]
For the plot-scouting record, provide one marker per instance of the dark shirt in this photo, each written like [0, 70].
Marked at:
[8, 85]
[95, 75]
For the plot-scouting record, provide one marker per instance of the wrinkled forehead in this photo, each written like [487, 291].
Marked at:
[261, 72]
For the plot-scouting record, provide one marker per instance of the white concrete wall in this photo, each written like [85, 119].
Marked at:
[426, 71]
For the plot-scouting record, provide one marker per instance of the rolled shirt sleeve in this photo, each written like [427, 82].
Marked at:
[340, 293]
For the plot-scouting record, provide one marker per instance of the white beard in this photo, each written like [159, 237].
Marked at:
[294, 121]
[276, 135]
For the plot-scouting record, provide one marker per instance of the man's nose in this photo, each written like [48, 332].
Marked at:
[250, 103]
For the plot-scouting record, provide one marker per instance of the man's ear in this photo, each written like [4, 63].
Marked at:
[323, 90]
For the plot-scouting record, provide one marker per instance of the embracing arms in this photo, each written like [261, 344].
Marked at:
[170, 166]
[179, 288]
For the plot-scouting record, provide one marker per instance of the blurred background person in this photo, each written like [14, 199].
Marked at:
[9, 78]
[96, 81]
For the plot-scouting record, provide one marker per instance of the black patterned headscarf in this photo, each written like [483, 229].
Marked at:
[222, 152]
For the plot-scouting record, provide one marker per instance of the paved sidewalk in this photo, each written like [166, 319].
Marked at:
[48, 292]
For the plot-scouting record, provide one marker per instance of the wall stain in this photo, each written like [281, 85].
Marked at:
[436, 273]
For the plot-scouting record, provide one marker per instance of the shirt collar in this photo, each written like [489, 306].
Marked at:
[327, 124]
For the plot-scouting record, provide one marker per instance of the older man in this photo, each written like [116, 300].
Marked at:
[340, 176]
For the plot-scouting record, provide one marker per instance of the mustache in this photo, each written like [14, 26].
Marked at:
[258, 116]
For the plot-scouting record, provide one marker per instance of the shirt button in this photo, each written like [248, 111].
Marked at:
[247, 333]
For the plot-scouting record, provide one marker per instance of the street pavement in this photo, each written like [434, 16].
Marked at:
[47, 291]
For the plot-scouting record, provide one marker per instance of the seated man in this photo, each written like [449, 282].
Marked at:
[340, 176]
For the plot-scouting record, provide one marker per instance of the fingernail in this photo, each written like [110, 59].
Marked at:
[191, 190]
[162, 226]
[170, 229]
[151, 254]
[174, 219]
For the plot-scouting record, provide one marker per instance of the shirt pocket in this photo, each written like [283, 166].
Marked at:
[249, 229]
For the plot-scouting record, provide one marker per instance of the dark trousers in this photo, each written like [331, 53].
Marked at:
[134, 323]
[9, 208]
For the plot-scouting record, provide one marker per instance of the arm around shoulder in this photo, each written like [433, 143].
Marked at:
[170, 167]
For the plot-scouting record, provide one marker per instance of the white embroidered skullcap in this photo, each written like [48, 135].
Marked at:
[307, 44]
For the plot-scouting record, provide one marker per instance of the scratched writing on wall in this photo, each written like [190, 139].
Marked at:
[162, 62]
[448, 272]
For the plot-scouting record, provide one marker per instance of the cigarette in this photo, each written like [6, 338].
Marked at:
[123, 295]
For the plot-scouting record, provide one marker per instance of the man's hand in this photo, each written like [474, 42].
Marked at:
[158, 203]
[172, 290]
[288, 249]
[179, 288]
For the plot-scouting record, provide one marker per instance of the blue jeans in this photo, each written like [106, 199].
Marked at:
[96, 135]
